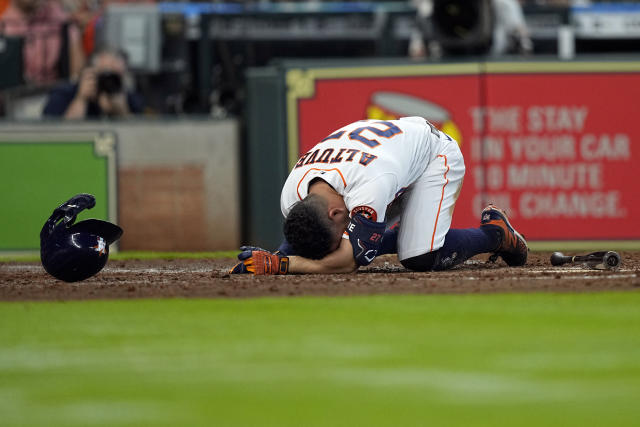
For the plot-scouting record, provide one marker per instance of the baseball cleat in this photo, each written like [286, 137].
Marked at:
[513, 247]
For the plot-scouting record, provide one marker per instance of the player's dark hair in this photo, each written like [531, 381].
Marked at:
[308, 229]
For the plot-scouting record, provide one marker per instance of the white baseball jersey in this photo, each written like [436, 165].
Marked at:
[371, 162]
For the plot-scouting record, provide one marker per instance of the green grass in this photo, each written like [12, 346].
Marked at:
[126, 255]
[475, 360]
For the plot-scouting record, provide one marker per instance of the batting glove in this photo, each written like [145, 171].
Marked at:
[258, 261]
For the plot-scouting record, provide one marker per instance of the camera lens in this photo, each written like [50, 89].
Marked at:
[109, 83]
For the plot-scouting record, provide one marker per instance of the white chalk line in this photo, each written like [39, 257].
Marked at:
[35, 268]
[562, 277]
[159, 270]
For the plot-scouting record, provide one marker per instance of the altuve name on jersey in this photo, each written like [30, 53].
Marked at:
[330, 155]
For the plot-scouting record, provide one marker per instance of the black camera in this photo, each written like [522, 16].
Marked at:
[109, 83]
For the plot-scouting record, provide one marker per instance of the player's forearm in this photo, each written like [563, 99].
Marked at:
[339, 261]
[299, 265]
[77, 109]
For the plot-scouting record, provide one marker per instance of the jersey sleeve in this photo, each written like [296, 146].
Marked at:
[366, 239]
[370, 199]
[414, 119]
[286, 203]
[287, 197]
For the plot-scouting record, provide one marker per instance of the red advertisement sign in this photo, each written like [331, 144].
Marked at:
[554, 148]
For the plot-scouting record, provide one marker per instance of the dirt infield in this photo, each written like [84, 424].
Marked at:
[209, 278]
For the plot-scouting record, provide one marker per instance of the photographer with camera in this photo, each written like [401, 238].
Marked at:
[100, 92]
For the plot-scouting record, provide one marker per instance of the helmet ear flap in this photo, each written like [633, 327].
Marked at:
[74, 252]
[67, 213]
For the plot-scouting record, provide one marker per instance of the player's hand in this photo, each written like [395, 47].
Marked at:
[258, 261]
[114, 104]
[87, 85]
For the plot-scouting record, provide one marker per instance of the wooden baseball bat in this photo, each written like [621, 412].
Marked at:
[599, 260]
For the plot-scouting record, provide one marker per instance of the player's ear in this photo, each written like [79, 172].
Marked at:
[335, 212]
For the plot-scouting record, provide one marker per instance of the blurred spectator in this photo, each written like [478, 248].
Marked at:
[422, 30]
[457, 27]
[510, 32]
[89, 16]
[102, 91]
[86, 14]
[52, 47]
[4, 4]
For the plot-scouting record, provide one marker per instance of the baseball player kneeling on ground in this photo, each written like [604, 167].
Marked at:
[337, 196]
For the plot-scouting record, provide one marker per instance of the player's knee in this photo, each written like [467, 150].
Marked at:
[424, 262]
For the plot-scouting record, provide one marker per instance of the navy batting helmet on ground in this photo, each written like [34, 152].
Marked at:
[73, 252]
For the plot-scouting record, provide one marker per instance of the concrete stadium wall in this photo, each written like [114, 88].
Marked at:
[177, 181]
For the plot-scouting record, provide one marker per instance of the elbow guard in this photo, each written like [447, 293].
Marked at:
[366, 238]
